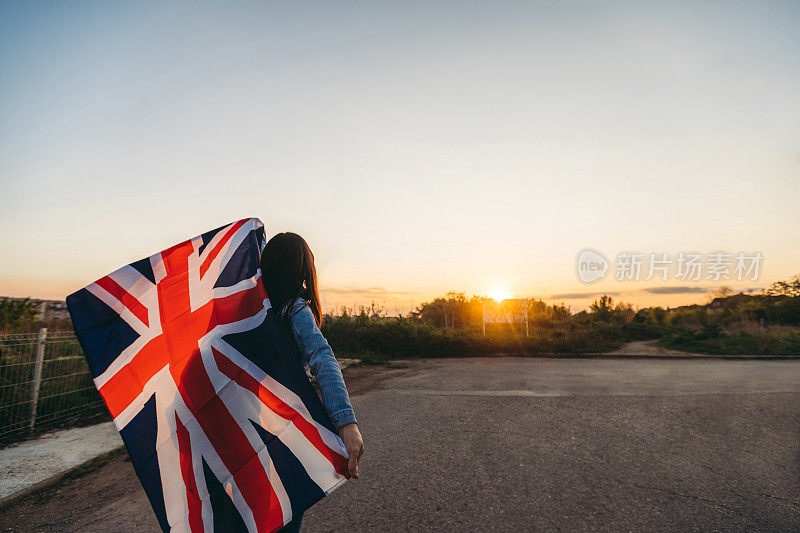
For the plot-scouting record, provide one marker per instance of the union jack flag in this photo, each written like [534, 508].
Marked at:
[222, 425]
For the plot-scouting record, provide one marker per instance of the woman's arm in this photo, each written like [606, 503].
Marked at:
[318, 355]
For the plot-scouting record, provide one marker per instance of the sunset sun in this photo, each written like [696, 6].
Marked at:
[499, 294]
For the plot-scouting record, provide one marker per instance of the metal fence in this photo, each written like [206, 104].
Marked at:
[45, 383]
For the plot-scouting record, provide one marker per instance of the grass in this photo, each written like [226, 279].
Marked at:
[67, 395]
[381, 339]
[451, 327]
[735, 341]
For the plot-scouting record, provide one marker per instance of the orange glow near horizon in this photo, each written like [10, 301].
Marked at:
[401, 301]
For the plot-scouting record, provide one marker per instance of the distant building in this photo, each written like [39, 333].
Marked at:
[48, 309]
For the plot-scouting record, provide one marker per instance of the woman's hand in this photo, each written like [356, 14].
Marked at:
[354, 444]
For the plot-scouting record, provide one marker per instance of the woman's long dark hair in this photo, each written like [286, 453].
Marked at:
[288, 273]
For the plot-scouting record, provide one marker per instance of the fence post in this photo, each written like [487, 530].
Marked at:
[527, 327]
[484, 318]
[37, 374]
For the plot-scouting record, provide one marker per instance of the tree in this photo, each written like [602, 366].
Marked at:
[790, 287]
[451, 312]
[17, 314]
[722, 292]
[606, 310]
[603, 308]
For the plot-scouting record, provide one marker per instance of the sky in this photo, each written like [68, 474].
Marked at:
[419, 147]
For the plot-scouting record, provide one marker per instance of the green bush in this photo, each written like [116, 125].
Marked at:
[768, 343]
[451, 326]
[405, 338]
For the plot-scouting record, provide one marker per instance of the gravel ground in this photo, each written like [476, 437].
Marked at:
[28, 463]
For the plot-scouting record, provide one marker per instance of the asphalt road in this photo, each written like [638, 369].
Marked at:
[576, 445]
[533, 444]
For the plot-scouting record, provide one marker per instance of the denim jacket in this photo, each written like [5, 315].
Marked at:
[318, 357]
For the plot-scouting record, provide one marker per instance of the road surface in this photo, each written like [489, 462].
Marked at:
[533, 444]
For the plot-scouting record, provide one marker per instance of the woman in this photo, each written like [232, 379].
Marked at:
[290, 279]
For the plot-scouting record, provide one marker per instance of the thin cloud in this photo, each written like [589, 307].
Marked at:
[374, 292]
[676, 290]
[580, 295]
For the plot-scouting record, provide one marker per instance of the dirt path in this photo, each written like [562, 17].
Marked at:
[648, 348]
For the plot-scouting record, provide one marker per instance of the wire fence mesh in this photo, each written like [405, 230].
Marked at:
[45, 384]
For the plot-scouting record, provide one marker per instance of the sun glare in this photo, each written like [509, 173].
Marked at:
[499, 294]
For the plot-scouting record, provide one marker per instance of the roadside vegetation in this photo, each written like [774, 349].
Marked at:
[763, 324]
[452, 326]
[18, 315]
[766, 323]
